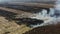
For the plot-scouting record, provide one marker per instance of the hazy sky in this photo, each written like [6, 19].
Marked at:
[24, 0]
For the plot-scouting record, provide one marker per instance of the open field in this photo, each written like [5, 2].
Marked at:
[49, 29]
[43, 5]
[11, 27]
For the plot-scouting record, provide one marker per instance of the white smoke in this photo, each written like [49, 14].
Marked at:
[57, 5]
[50, 18]
[44, 16]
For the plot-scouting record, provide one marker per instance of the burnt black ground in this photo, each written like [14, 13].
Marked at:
[24, 8]
[11, 16]
[28, 21]
[8, 15]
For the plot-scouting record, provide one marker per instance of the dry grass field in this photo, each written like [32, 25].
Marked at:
[7, 27]
[11, 27]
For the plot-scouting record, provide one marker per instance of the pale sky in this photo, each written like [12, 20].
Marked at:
[25, 0]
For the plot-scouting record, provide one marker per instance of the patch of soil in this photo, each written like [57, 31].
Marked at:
[52, 29]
